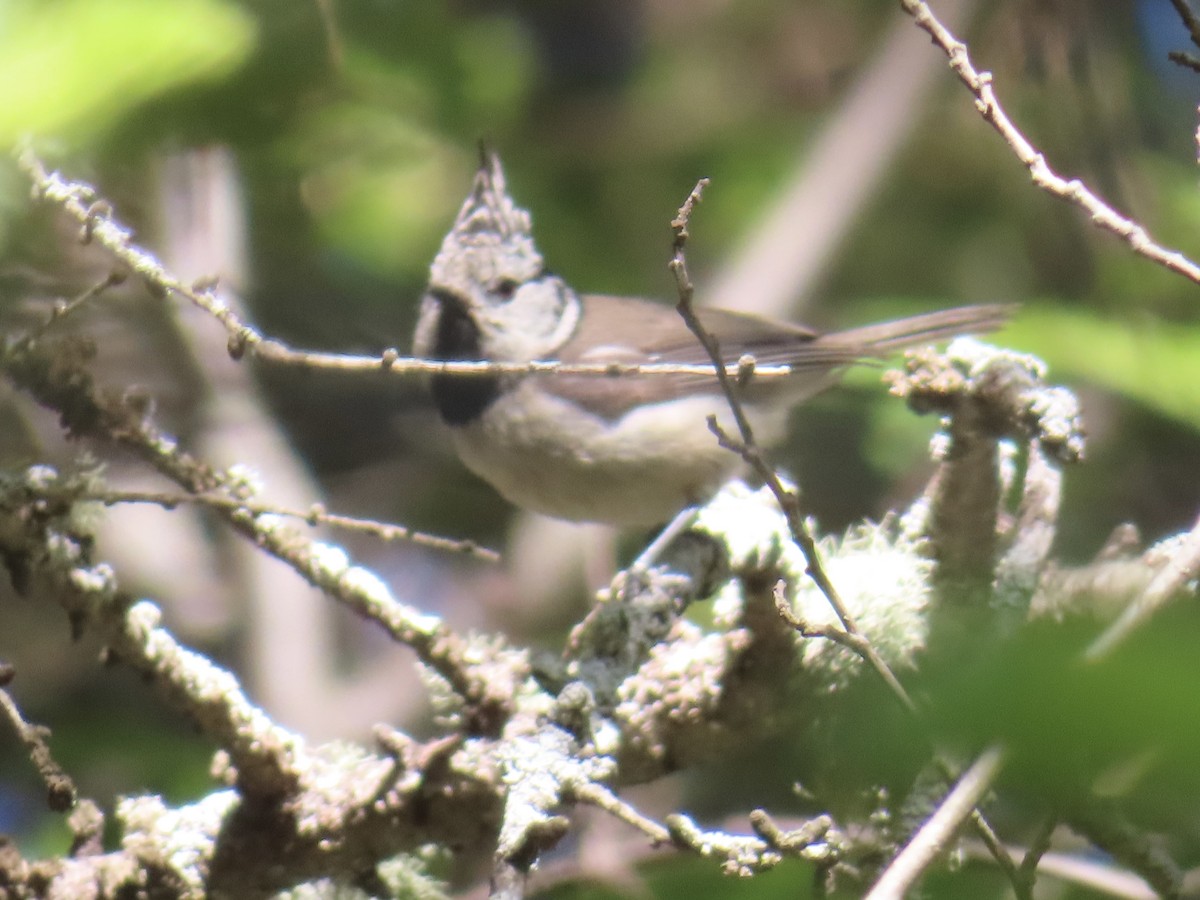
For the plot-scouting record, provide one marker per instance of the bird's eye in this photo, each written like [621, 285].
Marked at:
[505, 288]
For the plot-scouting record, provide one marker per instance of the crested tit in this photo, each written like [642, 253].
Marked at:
[629, 450]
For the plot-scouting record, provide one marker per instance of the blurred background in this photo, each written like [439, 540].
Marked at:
[313, 154]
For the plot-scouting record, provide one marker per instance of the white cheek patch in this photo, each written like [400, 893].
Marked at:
[539, 320]
[568, 319]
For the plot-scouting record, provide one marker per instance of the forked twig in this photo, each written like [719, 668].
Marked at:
[1072, 190]
[789, 503]
[97, 224]
[748, 449]
[934, 836]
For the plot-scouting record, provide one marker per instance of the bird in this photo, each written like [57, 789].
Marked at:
[626, 451]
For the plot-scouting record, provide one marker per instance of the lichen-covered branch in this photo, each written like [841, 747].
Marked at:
[640, 688]
[56, 375]
[60, 790]
[989, 399]
[82, 203]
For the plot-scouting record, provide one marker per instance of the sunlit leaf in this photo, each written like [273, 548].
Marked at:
[1155, 363]
[74, 66]
[1127, 724]
[377, 184]
[496, 60]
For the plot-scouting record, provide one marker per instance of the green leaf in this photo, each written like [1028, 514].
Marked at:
[1154, 363]
[74, 66]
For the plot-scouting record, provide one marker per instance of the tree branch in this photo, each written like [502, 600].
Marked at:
[1073, 190]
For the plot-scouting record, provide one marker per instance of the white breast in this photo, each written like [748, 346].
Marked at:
[545, 454]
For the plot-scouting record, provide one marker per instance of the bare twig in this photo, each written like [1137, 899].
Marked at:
[1182, 58]
[1189, 18]
[78, 200]
[852, 641]
[1100, 877]
[789, 501]
[60, 790]
[62, 309]
[990, 839]
[272, 351]
[935, 835]
[317, 515]
[602, 798]
[1033, 856]
[1072, 190]
[1183, 566]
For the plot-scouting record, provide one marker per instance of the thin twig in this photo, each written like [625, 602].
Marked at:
[853, 642]
[600, 797]
[63, 309]
[1093, 875]
[98, 225]
[391, 361]
[1072, 190]
[60, 790]
[1189, 18]
[789, 503]
[1185, 59]
[747, 448]
[1032, 856]
[316, 515]
[1183, 566]
[987, 834]
[935, 835]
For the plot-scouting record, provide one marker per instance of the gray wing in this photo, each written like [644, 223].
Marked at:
[630, 330]
[633, 331]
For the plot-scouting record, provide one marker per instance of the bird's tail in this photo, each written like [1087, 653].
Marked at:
[886, 338]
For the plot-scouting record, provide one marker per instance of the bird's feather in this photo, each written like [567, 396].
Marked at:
[632, 331]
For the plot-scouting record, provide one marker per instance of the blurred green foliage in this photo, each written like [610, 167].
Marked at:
[72, 68]
[693, 877]
[354, 128]
[1151, 362]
